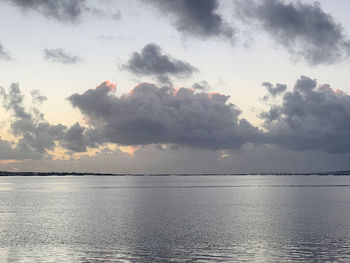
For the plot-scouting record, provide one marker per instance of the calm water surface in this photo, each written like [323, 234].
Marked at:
[175, 219]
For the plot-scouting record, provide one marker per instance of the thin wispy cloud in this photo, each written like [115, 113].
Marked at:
[201, 86]
[101, 13]
[4, 54]
[61, 56]
[65, 11]
[37, 98]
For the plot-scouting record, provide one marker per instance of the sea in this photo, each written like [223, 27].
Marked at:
[175, 218]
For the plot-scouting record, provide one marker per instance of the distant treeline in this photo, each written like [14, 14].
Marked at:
[5, 173]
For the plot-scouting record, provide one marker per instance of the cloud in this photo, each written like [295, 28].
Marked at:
[13, 101]
[202, 86]
[310, 117]
[111, 38]
[61, 10]
[34, 135]
[151, 61]
[77, 139]
[100, 13]
[61, 56]
[37, 97]
[303, 29]
[152, 115]
[197, 18]
[66, 11]
[274, 90]
[10, 151]
[4, 54]
[145, 116]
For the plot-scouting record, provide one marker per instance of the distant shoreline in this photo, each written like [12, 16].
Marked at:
[5, 173]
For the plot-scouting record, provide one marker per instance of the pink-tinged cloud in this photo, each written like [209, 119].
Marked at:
[151, 115]
[107, 85]
[5, 162]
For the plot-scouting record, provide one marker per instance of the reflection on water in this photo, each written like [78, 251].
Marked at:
[175, 219]
[254, 251]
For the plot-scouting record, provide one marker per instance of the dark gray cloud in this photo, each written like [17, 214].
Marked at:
[152, 61]
[61, 10]
[61, 56]
[274, 90]
[4, 54]
[310, 117]
[66, 11]
[16, 151]
[272, 114]
[152, 115]
[198, 18]
[38, 136]
[77, 139]
[304, 29]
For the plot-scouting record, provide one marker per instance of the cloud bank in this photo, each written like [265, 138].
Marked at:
[303, 29]
[152, 115]
[310, 117]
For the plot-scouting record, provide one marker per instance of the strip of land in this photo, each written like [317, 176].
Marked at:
[7, 173]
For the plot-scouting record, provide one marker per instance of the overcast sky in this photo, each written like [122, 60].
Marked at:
[186, 86]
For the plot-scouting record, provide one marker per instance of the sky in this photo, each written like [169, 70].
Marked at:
[186, 86]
